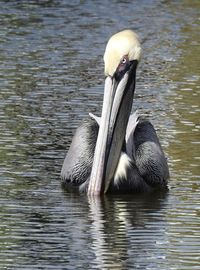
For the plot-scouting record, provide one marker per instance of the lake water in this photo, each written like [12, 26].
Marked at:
[51, 77]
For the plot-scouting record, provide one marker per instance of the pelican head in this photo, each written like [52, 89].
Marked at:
[121, 58]
[121, 48]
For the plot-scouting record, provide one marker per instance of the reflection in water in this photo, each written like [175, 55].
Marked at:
[123, 225]
[51, 73]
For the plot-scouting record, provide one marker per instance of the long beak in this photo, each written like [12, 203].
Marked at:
[117, 104]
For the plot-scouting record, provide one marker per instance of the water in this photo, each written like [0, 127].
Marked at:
[51, 76]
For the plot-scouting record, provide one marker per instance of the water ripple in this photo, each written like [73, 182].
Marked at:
[51, 73]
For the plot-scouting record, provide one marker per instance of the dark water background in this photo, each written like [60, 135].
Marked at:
[51, 76]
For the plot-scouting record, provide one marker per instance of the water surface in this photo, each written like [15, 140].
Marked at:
[51, 76]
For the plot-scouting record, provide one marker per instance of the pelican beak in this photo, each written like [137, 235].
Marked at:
[117, 104]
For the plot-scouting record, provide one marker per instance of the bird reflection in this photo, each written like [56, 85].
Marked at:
[124, 229]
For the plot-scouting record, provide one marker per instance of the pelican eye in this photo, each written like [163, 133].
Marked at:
[123, 61]
[123, 66]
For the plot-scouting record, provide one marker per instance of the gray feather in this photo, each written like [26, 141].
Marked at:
[78, 162]
[149, 156]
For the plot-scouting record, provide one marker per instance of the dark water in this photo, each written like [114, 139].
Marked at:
[51, 76]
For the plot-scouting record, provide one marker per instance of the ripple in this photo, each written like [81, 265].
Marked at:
[51, 77]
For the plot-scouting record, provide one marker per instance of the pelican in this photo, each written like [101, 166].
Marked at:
[117, 152]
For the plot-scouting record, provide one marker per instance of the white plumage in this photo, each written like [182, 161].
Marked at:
[121, 171]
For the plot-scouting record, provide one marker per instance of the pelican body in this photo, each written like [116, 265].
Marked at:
[117, 152]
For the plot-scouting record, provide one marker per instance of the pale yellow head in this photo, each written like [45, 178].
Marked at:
[124, 43]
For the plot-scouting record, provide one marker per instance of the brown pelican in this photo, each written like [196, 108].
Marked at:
[116, 152]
